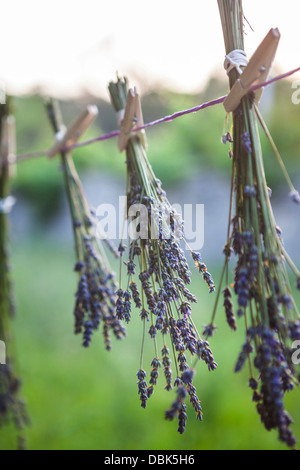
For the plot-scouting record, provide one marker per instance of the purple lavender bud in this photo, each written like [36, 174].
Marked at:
[253, 383]
[294, 330]
[196, 256]
[144, 315]
[185, 308]
[121, 248]
[182, 417]
[152, 331]
[130, 267]
[227, 250]
[209, 330]
[246, 142]
[285, 299]
[79, 266]
[256, 397]
[135, 294]
[226, 138]
[77, 224]
[295, 196]
[142, 387]
[187, 376]
[250, 191]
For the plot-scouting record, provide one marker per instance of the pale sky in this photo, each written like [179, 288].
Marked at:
[68, 45]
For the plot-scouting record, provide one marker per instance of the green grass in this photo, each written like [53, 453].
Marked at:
[87, 399]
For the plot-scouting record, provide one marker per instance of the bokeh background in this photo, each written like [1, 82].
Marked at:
[87, 399]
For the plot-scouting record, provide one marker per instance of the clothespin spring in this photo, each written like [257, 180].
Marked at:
[68, 136]
[262, 70]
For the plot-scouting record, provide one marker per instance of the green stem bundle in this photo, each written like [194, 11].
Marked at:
[261, 282]
[95, 297]
[157, 279]
[12, 407]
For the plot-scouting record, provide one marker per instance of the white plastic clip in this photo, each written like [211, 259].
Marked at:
[132, 118]
[256, 71]
[7, 204]
[69, 136]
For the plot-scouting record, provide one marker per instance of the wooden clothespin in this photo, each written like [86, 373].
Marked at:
[256, 71]
[8, 144]
[133, 118]
[71, 135]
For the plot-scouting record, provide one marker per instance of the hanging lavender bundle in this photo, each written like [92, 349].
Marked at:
[95, 303]
[12, 407]
[261, 284]
[157, 278]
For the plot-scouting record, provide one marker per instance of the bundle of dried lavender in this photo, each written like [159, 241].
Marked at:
[261, 283]
[157, 278]
[95, 304]
[12, 407]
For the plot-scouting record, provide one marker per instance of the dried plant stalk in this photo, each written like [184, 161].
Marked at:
[95, 303]
[261, 282]
[157, 278]
[12, 407]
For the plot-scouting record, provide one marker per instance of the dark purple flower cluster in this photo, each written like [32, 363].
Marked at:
[275, 380]
[273, 356]
[162, 296]
[135, 294]
[142, 387]
[228, 308]
[155, 364]
[261, 282]
[184, 387]
[123, 305]
[243, 356]
[178, 408]
[247, 268]
[167, 367]
[203, 270]
[236, 237]
[250, 191]
[12, 407]
[158, 273]
[96, 299]
[294, 330]
[209, 330]
[246, 142]
[241, 287]
[187, 378]
[205, 354]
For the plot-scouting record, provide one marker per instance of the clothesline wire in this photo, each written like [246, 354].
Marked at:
[168, 118]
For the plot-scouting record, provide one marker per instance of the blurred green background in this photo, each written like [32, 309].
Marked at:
[87, 399]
